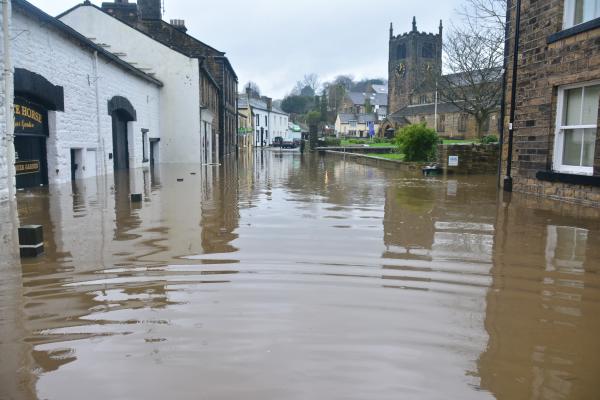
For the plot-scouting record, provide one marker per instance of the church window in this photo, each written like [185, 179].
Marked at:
[462, 122]
[427, 50]
[401, 51]
[441, 123]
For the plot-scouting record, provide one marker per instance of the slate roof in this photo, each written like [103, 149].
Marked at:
[25, 6]
[359, 118]
[377, 99]
[380, 89]
[257, 103]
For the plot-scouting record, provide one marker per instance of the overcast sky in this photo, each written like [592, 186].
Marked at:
[275, 42]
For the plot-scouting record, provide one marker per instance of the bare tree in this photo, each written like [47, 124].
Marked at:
[312, 81]
[253, 88]
[474, 56]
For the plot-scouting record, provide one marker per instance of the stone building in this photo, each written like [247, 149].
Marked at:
[555, 144]
[356, 125]
[79, 110]
[146, 16]
[414, 59]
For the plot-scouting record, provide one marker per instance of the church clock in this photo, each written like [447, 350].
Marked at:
[401, 70]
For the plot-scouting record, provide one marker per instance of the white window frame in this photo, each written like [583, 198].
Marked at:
[559, 135]
[569, 14]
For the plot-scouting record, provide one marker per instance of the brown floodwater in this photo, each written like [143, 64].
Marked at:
[282, 277]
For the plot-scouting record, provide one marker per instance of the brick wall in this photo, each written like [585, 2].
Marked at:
[472, 159]
[4, 181]
[45, 51]
[542, 68]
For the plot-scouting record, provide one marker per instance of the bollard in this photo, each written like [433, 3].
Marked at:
[31, 241]
[136, 197]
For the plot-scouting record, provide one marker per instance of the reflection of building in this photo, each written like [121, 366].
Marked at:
[79, 110]
[556, 150]
[542, 307]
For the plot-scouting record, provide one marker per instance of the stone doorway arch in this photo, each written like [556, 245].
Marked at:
[122, 112]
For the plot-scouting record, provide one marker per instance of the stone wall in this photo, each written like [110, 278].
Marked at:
[85, 123]
[472, 158]
[4, 181]
[546, 63]
[416, 167]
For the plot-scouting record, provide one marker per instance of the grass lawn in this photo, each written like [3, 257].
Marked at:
[370, 144]
[390, 156]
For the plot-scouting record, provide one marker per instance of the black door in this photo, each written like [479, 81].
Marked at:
[31, 167]
[120, 144]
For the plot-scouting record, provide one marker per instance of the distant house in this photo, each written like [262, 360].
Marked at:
[372, 101]
[265, 120]
[356, 125]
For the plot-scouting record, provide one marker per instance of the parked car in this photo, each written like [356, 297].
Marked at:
[288, 144]
[277, 142]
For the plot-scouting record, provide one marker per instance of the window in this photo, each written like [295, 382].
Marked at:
[266, 121]
[427, 50]
[144, 145]
[401, 52]
[576, 126]
[258, 120]
[423, 99]
[462, 122]
[353, 124]
[580, 11]
[441, 123]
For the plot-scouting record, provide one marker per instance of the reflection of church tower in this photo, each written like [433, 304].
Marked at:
[413, 56]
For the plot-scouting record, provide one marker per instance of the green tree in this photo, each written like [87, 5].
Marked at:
[295, 104]
[324, 113]
[417, 142]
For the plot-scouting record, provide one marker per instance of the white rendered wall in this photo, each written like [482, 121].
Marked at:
[180, 96]
[41, 49]
[267, 136]
[4, 180]
[278, 124]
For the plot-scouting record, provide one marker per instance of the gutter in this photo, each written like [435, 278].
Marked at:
[508, 180]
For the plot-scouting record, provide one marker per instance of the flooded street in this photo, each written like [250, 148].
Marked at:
[283, 277]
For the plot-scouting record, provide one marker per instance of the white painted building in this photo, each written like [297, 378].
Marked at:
[79, 110]
[5, 181]
[268, 122]
[185, 128]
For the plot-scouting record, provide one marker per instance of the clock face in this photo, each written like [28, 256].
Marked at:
[401, 70]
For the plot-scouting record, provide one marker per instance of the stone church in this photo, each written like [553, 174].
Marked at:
[414, 58]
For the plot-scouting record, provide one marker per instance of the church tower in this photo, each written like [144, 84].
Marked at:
[413, 57]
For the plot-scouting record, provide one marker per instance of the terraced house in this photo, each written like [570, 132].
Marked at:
[552, 147]
[146, 17]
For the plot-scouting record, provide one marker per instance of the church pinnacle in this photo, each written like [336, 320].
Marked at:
[414, 24]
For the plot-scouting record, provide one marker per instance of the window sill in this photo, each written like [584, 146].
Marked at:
[551, 176]
[575, 30]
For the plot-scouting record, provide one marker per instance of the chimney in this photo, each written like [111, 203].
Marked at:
[150, 9]
[249, 92]
[268, 101]
[179, 24]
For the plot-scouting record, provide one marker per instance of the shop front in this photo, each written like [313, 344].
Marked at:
[34, 98]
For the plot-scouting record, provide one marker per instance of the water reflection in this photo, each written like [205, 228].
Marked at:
[282, 276]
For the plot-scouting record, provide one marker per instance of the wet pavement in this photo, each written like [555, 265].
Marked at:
[282, 277]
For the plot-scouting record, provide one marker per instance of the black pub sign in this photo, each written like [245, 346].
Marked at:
[30, 118]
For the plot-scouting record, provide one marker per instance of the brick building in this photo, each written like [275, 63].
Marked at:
[554, 109]
[146, 16]
[414, 58]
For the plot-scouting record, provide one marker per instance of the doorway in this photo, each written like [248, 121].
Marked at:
[31, 162]
[76, 164]
[120, 141]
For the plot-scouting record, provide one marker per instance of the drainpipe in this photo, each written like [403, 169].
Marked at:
[504, 78]
[508, 181]
[99, 130]
[9, 101]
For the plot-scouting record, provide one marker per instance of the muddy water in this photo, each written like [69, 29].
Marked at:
[278, 277]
